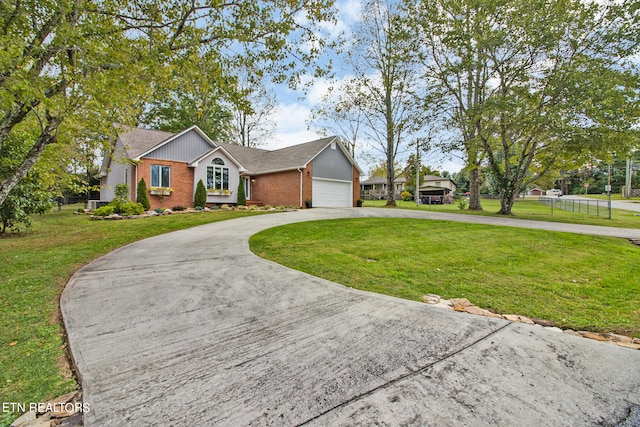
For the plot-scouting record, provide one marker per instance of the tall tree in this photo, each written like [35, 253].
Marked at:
[195, 94]
[252, 111]
[340, 114]
[77, 64]
[384, 85]
[532, 84]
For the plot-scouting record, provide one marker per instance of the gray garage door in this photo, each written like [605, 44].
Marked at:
[329, 193]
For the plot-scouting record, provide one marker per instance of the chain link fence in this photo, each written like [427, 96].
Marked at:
[589, 207]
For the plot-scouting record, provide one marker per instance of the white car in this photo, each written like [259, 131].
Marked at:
[554, 192]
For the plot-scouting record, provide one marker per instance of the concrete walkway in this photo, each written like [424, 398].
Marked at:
[192, 329]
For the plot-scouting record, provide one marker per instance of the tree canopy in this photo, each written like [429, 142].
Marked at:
[70, 67]
[530, 85]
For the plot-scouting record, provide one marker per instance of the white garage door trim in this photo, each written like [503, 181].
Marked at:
[332, 193]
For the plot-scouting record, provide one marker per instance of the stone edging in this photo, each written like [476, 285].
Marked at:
[63, 411]
[465, 306]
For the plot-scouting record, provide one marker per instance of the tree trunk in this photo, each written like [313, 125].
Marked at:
[507, 200]
[474, 189]
[47, 137]
[391, 201]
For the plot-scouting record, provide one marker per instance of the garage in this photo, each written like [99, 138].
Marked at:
[331, 193]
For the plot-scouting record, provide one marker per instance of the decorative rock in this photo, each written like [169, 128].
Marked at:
[431, 299]
[543, 322]
[629, 345]
[25, 419]
[618, 338]
[61, 411]
[526, 320]
[593, 336]
[445, 303]
[43, 421]
[464, 305]
[460, 304]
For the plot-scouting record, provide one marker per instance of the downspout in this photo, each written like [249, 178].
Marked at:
[300, 170]
[135, 185]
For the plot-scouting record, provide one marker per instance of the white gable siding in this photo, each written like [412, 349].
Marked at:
[118, 172]
[200, 173]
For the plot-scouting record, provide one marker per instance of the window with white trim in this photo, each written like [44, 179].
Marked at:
[160, 176]
[217, 175]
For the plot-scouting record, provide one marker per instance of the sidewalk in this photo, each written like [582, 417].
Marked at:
[191, 328]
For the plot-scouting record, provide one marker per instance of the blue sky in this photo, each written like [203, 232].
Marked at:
[294, 107]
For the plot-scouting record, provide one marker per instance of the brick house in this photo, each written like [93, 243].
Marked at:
[320, 171]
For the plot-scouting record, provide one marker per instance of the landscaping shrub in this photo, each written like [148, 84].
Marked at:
[178, 208]
[141, 195]
[406, 196]
[200, 198]
[104, 210]
[242, 197]
[130, 208]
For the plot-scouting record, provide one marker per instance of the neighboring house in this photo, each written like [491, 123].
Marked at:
[437, 189]
[172, 164]
[376, 188]
[536, 192]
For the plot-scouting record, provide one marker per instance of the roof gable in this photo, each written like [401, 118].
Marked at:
[180, 136]
[137, 141]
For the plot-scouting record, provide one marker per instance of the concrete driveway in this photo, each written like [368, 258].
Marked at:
[192, 329]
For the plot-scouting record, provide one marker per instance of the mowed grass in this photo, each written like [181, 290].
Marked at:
[531, 208]
[35, 266]
[575, 281]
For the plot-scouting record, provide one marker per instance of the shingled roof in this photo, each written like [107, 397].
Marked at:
[258, 161]
[138, 141]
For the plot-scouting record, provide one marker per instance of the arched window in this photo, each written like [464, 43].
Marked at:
[217, 175]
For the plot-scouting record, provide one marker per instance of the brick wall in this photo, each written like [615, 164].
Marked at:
[180, 179]
[282, 188]
[356, 185]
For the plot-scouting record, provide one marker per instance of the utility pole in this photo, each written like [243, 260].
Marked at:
[608, 188]
[628, 175]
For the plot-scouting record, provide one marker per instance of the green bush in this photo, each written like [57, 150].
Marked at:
[141, 195]
[200, 198]
[104, 210]
[242, 197]
[122, 192]
[406, 196]
[130, 208]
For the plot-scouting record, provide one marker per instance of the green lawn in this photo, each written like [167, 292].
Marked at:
[530, 208]
[579, 282]
[35, 268]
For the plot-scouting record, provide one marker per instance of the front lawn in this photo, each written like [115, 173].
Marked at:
[575, 281]
[35, 268]
[530, 208]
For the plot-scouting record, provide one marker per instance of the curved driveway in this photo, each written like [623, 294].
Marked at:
[192, 329]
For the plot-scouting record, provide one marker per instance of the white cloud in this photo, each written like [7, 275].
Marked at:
[350, 10]
[291, 121]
